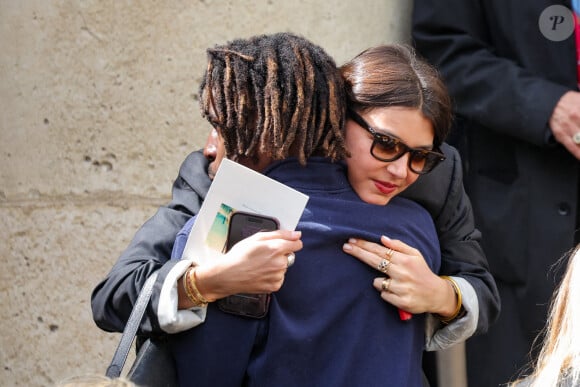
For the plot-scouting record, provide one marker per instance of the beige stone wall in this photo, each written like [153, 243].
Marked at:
[98, 109]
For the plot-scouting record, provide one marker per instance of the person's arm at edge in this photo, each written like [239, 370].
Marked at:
[113, 298]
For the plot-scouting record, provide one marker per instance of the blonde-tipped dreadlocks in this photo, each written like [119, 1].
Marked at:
[275, 95]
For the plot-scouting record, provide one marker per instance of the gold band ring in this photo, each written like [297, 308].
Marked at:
[386, 284]
[389, 253]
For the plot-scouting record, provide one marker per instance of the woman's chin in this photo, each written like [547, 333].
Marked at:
[376, 199]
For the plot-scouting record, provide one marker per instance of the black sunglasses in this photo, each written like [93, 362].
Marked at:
[388, 148]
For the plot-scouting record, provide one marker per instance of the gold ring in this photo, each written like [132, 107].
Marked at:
[383, 266]
[386, 284]
[576, 138]
[389, 253]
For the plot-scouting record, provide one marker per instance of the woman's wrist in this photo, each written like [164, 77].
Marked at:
[453, 310]
[192, 292]
[203, 277]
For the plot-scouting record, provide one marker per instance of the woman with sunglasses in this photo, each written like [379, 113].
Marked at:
[392, 133]
[319, 328]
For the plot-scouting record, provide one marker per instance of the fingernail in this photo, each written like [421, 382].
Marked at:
[386, 237]
[352, 240]
[347, 247]
[296, 234]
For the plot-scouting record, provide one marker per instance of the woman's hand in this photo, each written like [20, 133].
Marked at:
[256, 264]
[407, 282]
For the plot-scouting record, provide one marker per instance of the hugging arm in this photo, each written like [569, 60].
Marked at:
[462, 259]
[113, 298]
[461, 253]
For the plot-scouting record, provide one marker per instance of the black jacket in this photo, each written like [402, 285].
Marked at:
[442, 193]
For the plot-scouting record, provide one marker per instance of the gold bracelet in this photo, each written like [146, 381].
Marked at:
[192, 278]
[459, 307]
[189, 294]
[191, 290]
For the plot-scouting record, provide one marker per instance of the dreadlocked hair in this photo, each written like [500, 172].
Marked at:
[276, 95]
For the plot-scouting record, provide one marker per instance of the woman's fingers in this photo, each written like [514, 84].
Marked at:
[399, 246]
[278, 234]
[373, 254]
[405, 276]
[258, 264]
[368, 252]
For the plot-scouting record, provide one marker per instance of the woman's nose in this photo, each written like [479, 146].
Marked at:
[399, 167]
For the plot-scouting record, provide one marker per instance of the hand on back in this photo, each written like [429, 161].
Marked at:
[410, 284]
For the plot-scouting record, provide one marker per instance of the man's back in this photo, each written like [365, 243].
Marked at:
[327, 309]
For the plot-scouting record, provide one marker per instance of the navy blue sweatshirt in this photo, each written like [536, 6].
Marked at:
[327, 325]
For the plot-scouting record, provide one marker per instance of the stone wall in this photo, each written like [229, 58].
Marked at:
[98, 109]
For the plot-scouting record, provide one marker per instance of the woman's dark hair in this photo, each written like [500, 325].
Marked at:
[393, 75]
[276, 95]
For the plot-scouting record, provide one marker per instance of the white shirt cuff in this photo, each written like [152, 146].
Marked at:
[172, 320]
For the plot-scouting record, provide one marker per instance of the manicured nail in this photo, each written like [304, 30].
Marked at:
[347, 247]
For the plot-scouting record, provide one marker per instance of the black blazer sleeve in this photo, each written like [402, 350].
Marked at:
[113, 298]
[461, 251]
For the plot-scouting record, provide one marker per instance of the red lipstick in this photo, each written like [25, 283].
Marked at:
[384, 187]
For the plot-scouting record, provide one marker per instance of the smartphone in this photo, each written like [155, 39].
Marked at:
[242, 225]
